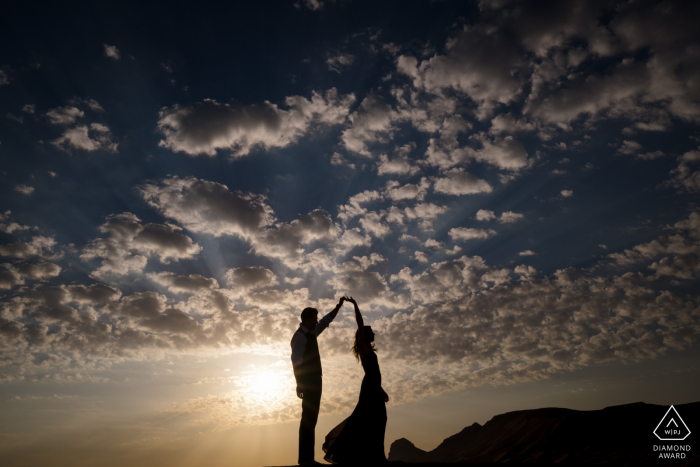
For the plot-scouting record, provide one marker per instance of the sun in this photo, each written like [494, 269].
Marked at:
[266, 385]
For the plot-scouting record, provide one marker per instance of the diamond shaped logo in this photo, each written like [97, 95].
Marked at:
[672, 427]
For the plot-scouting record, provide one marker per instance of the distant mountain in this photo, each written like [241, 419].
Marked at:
[621, 435]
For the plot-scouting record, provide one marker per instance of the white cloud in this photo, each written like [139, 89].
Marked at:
[396, 166]
[39, 246]
[629, 147]
[9, 226]
[507, 217]
[484, 215]
[29, 108]
[464, 233]
[687, 175]
[286, 241]
[24, 189]
[510, 217]
[338, 159]
[425, 213]
[395, 191]
[17, 274]
[372, 122]
[431, 243]
[506, 153]
[64, 115]
[91, 103]
[338, 62]
[421, 257]
[210, 126]
[130, 243]
[208, 207]
[479, 62]
[506, 123]
[567, 193]
[79, 138]
[527, 253]
[111, 51]
[354, 207]
[4, 79]
[183, 284]
[372, 223]
[459, 182]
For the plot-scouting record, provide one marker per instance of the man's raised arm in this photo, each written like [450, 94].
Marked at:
[326, 320]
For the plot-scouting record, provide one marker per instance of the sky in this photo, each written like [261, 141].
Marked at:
[509, 189]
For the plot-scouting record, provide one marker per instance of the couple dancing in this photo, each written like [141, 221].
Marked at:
[360, 437]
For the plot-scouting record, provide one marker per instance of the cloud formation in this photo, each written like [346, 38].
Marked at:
[112, 52]
[130, 243]
[238, 128]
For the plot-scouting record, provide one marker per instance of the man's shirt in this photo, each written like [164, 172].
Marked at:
[299, 339]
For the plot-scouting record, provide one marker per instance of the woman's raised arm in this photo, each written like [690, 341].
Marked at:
[362, 346]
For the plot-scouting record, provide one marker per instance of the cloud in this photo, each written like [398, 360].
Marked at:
[8, 226]
[338, 159]
[510, 217]
[371, 123]
[527, 253]
[64, 115]
[210, 126]
[507, 217]
[506, 123]
[29, 108]
[459, 182]
[445, 151]
[39, 246]
[506, 153]
[286, 241]
[251, 278]
[629, 147]
[208, 207]
[484, 215]
[183, 284]
[480, 62]
[4, 79]
[130, 243]
[395, 191]
[397, 166]
[91, 103]
[675, 255]
[567, 193]
[314, 5]
[24, 189]
[425, 213]
[464, 233]
[17, 274]
[111, 51]
[354, 208]
[421, 257]
[687, 176]
[338, 62]
[79, 138]
[431, 243]
[372, 224]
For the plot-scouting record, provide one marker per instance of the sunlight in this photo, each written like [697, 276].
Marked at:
[266, 385]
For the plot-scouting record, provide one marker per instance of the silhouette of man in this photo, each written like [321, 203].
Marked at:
[306, 361]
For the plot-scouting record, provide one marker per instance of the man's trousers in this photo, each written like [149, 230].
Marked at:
[310, 405]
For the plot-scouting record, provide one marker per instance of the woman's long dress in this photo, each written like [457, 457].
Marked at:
[360, 437]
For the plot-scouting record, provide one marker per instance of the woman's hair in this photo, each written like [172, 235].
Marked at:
[355, 350]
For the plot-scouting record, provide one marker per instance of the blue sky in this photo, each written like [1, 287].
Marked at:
[508, 188]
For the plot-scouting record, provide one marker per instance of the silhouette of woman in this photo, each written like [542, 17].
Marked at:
[359, 439]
